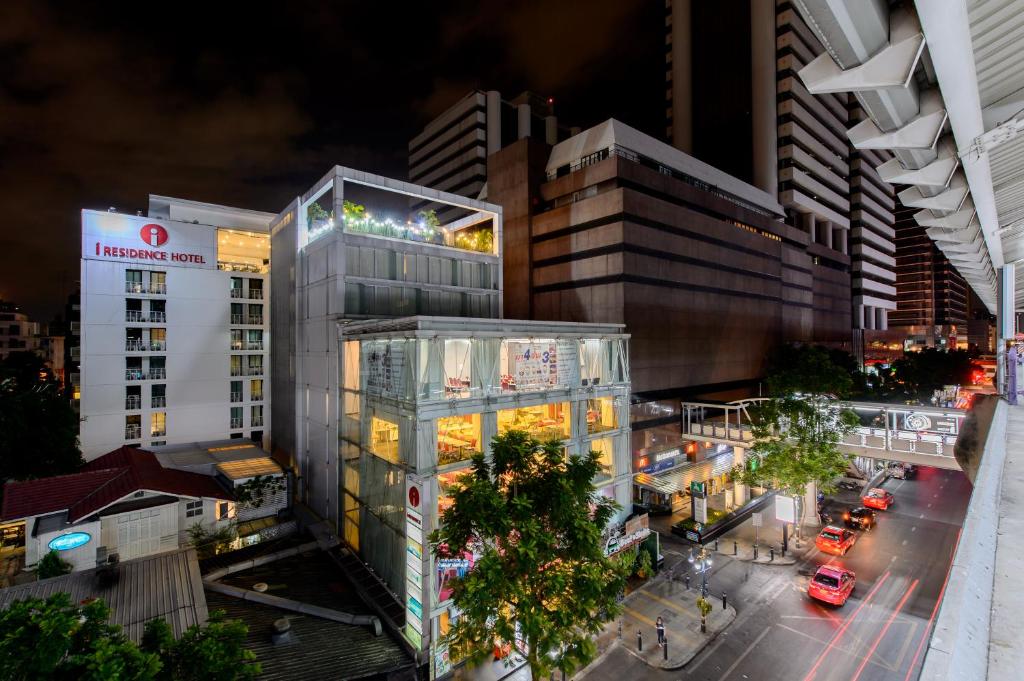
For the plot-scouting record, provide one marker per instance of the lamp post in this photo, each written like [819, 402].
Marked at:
[701, 563]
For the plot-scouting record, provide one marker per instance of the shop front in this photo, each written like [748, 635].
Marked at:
[421, 395]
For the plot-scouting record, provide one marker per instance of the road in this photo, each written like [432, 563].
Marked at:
[880, 634]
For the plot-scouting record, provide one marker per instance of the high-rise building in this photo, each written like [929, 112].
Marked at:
[450, 154]
[174, 323]
[18, 333]
[764, 127]
[931, 294]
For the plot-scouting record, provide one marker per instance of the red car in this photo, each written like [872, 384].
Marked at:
[832, 584]
[878, 498]
[835, 540]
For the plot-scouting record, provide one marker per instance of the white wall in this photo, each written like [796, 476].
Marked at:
[82, 558]
[198, 353]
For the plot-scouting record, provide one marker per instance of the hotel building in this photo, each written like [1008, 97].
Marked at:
[174, 326]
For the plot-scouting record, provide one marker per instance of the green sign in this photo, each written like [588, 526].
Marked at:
[697, 489]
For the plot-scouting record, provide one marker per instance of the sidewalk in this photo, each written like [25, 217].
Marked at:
[677, 607]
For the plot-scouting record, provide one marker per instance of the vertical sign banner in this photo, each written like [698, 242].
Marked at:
[700, 510]
[785, 508]
[414, 559]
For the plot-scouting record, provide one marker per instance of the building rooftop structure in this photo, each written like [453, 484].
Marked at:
[205, 457]
[166, 585]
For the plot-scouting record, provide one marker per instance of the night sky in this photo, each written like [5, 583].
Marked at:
[102, 104]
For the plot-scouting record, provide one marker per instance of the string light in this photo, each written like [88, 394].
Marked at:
[357, 221]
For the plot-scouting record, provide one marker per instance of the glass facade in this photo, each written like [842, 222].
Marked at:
[415, 406]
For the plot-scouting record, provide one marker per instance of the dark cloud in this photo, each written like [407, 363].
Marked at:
[103, 103]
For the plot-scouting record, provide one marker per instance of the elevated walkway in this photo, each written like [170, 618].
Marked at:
[923, 436]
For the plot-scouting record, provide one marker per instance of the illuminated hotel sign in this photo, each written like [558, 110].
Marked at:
[67, 542]
[147, 241]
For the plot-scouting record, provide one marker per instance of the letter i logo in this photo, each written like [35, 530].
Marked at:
[153, 234]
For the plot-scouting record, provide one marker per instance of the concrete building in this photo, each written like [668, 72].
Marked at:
[18, 333]
[790, 144]
[174, 341]
[931, 294]
[349, 248]
[613, 226]
[451, 152]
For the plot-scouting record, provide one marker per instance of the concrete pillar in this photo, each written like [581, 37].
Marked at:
[493, 121]
[811, 506]
[1005, 320]
[826, 233]
[809, 227]
[551, 130]
[740, 492]
[682, 77]
[523, 114]
[762, 96]
[839, 238]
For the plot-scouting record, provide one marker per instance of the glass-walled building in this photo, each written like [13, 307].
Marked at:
[420, 395]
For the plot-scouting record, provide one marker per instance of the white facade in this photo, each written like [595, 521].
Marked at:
[174, 326]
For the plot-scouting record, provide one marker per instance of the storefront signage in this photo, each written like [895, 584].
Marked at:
[697, 489]
[700, 509]
[659, 461]
[619, 544]
[785, 508]
[414, 559]
[67, 542]
[142, 240]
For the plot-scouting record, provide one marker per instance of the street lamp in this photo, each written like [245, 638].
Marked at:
[701, 563]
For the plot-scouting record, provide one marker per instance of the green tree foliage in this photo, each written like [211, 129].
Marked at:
[209, 543]
[797, 432]
[38, 427]
[52, 565]
[253, 492]
[535, 521]
[215, 652]
[919, 374]
[642, 566]
[54, 639]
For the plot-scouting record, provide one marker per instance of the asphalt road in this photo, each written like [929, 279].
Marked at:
[780, 634]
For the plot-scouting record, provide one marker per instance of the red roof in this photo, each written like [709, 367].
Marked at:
[102, 482]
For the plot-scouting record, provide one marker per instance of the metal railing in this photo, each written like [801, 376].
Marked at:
[133, 402]
[76, 328]
[134, 345]
[133, 315]
[254, 370]
[254, 345]
[157, 316]
[134, 287]
[237, 318]
[236, 422]
[236, 293]
[257, 397]
[236, 397]
[254, 319]
[237, 344]
[157, 345]
[158, 401]
[132, 432]
[237, 371]
[76, 353]
[158, 432]
[157, 288]
[255, 294]
[134, 375]
[157, 373]
[257, 421]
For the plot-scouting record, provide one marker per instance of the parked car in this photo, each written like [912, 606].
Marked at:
[903, 471]
[835, 540]
[878, 498]
[860, 517]
[832, 584]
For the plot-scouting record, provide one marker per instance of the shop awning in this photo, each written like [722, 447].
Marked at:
[679, 478]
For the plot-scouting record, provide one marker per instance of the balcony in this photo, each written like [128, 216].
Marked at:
[238, 319]
[132, 402]
[157, 288]
[133, 315]
[76, 328]
[132, 432]
[236, 397]
[157, 317]
[134, 375]
[236, 293]
[236, 422]
[257, 397]
[238, 371]
[134, 287]
[76, 353]
[153, 317]
[158, 432]
[158, 402]
[157, 373]
[254, 345]
[254, 371]
[257, 421]
[255, 294]
[237, 345]
[256, 320]
[157, 345]
[134, 345]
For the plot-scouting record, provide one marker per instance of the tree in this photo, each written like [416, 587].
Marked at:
[798, 430]
[54, 639]
[921, 373]
[209, 543]
[541, 581]
[704, 607]
[38, 427]
[253, 492]
[52, 565]
[213, 652]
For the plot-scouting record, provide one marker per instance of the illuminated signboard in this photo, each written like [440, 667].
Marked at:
[147, 241]
[66, 542]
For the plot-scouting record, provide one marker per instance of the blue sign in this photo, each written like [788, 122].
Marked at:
[66, 542]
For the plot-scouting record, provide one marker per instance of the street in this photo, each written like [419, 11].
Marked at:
[780, 634]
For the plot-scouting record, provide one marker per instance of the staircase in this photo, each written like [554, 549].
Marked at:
[370, 588]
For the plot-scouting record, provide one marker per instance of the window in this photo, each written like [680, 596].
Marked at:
[544, 422]
[158, 396]
[253, 339]
[458, 437]
[133, 397]
[237, 314]
[456, 366]
[158, 282]
[256, 390]
[157, 339]
[606, 448]
[384, 439]
[236, 417]
[236, 365]
[225, 510]
[601, 415]
[158, 424]
[535, 364]
[236, 339]
[133, 281]
[132, 427]
[255, 314]
[255, 365]
[236, 287]
[236, 391]
[256, 415]
[194, 509]
[255, 289]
